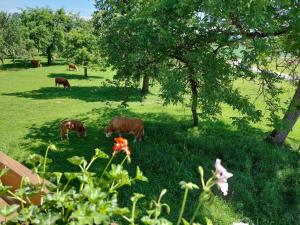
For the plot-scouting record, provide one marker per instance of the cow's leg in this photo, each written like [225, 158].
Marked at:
[67, 134]
[119, 133]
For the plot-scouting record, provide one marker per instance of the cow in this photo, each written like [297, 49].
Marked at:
[72, 66]
[68, 125]
[127, 125]
[63, 81]
[35, 63]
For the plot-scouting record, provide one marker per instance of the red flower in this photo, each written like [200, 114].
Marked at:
[121, 144]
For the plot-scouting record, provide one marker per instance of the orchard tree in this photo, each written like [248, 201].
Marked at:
[123, 30]
[289, 46]
[14, 40]
[193, 46]
[46, 29]
[81, 47]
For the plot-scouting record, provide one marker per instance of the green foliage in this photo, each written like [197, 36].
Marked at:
[81, 47]
[47, 29]
[14, 40]
[190, 48]
[95, 202]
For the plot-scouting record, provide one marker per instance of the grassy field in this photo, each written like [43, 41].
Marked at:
[265, 188]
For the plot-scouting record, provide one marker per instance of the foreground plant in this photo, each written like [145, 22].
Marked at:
[95, 199]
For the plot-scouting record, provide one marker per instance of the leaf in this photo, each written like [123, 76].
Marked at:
[100, 154]
[188, 185]
[3, 189]
[3, 171]
[52, 147]
[8, 210]
[185, 222]
[136, 197]
[140, 176]
[58, 176]
[35, 159]
[71, 176]
[76, 160]
[208, 221]
[46, 219]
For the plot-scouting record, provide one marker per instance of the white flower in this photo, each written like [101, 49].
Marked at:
[240, 223]
[222, 176]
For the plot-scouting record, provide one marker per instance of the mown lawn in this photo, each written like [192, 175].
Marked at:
[265, 188]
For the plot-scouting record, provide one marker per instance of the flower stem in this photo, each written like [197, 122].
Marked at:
[108, 164]
[124, 160]
[183, 205]
[133, 213]
[196, 212]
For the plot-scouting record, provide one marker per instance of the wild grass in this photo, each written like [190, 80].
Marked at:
[264, 188]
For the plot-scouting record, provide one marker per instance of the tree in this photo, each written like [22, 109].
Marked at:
[290, 46]
[14, 41]
[122, 36]
[81, 47]
[46, 29]
[193, 47]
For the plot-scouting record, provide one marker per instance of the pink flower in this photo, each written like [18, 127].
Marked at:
[222, 176]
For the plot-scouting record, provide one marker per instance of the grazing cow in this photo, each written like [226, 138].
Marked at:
[127, 125]
[63, 81]
[35, 63]
[69, 125]
[72, 66]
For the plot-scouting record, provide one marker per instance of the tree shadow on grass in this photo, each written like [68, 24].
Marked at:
[73, 76]
[265, 181]
[88, 94]
[21, 64]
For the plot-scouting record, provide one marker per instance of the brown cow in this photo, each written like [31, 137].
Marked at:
[35, 63]
[127, 125]
[63, 81]
[69, 125]
[72, 66]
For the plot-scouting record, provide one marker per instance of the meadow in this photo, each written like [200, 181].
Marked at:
[265, 188]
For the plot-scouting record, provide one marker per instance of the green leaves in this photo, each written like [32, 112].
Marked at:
[3, 171]
[188, 185]
[139, 175]
[8, 210]
[100, 154]
[78, 161]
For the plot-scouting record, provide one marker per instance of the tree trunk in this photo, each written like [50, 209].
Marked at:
[49, 56]
[145, 88]
[85, 72]
[194, 102]
[279, 135]
[2, 63]
[14, 61]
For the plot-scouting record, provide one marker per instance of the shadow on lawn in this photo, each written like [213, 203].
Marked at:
[88, 94]
[26, 64]
[265, 181]
[73, 76]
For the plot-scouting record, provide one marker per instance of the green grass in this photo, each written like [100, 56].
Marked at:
[264, 188]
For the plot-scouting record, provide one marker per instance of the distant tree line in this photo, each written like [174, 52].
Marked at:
[42, 31]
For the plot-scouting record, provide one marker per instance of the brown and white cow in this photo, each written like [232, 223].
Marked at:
[126, 125]
[68, 125]
[63, 81]
[72, 66]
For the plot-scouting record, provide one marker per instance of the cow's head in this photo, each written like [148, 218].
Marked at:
[108, 131]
